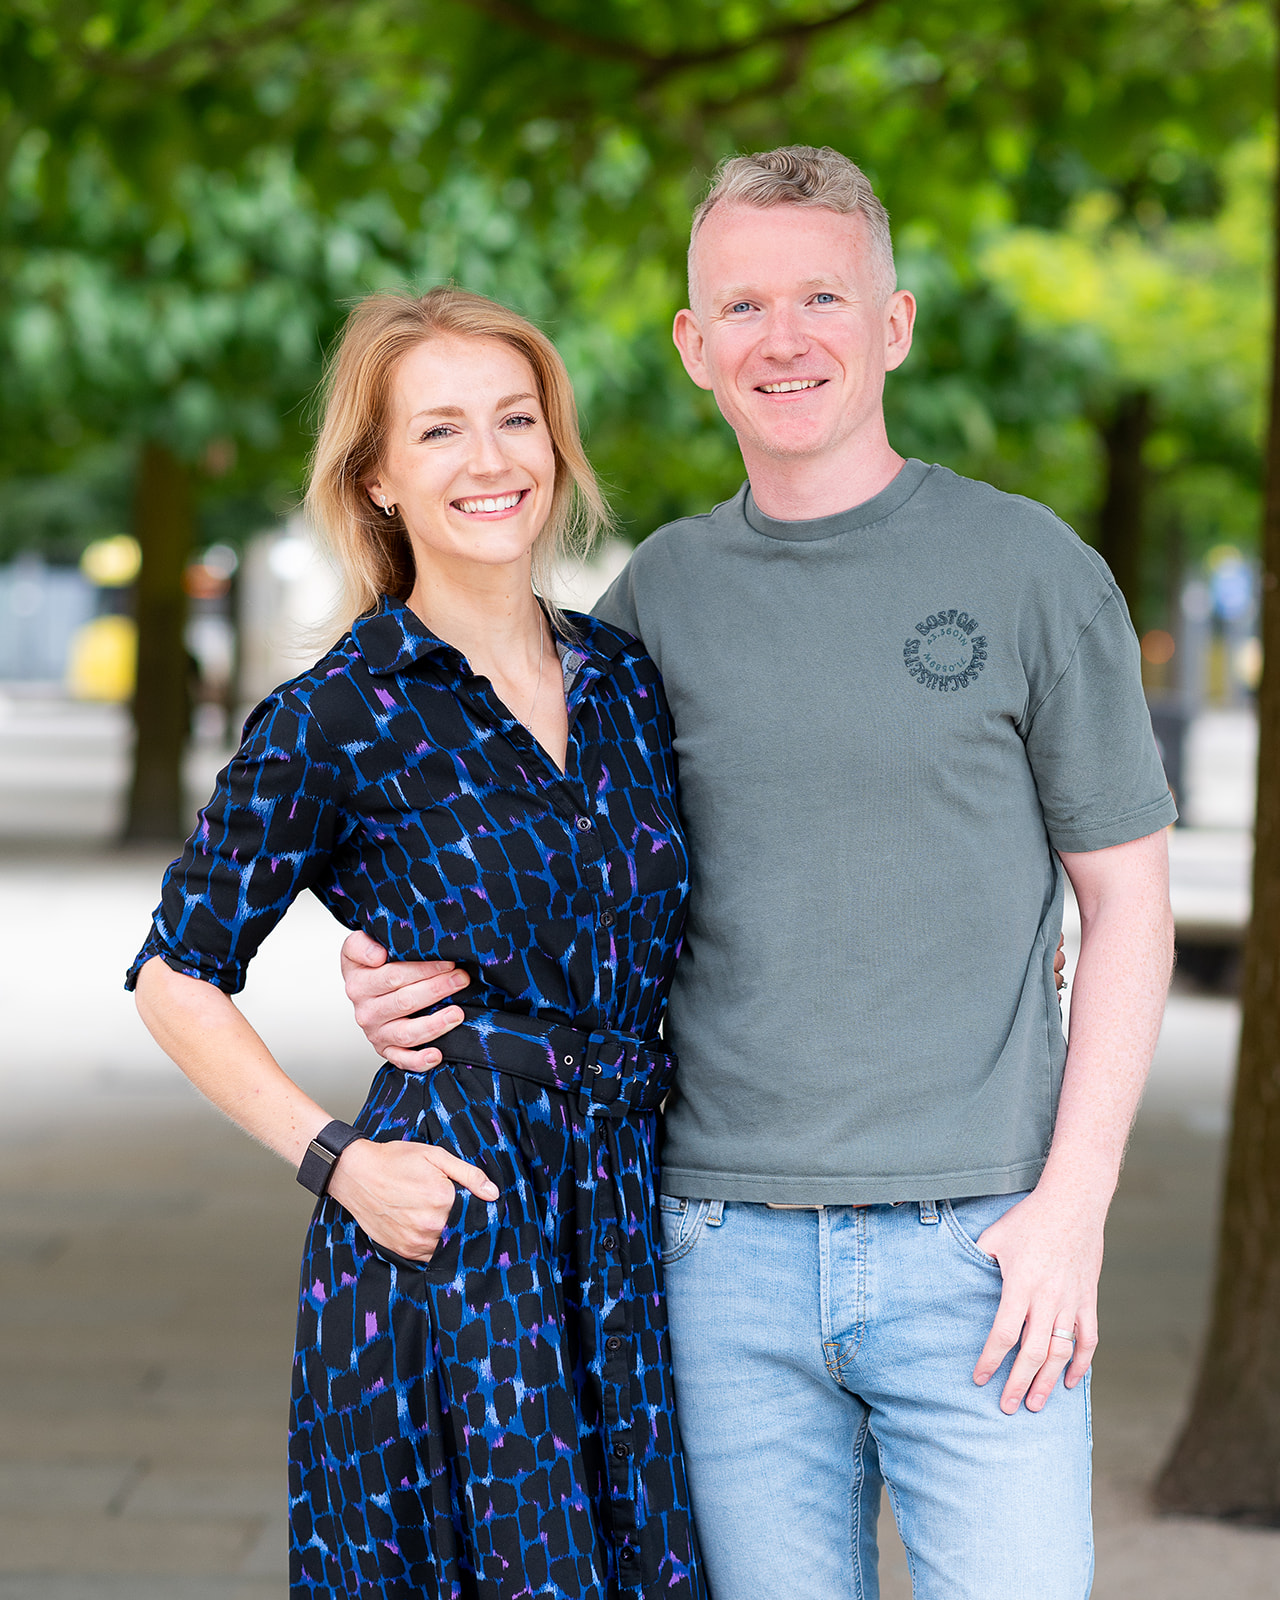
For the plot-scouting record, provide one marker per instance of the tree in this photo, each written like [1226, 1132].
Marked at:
[1226, 1462]
[1167, 317]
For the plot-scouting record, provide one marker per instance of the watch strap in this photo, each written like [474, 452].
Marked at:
[322, 1155]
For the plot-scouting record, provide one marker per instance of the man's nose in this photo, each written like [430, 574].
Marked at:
[784, 334]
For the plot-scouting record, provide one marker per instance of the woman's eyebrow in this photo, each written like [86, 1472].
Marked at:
[457, 411]
[437, 411]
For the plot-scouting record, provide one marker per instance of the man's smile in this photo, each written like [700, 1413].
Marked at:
[789, 385]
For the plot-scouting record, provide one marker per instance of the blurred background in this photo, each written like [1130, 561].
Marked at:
[191, 196]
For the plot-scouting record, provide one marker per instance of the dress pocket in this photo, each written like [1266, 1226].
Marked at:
[467, 1225]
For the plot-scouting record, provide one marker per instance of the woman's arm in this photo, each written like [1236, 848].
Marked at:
[399, 1192]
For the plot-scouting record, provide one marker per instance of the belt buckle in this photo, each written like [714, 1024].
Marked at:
[589, 1072]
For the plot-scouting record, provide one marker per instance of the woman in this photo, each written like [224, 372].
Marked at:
[482, 1399]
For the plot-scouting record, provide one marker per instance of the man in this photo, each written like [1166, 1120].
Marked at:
[901, 699]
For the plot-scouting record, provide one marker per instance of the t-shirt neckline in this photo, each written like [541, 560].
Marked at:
[896, 493]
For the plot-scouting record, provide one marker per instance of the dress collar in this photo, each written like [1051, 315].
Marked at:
[393, 637]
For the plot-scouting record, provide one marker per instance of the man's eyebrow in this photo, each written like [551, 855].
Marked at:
[457, 411]
[746, 292]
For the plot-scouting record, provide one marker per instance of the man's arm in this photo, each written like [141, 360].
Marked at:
[385, 995]
[1050, 1245]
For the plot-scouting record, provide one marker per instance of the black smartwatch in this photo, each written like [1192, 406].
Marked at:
[322, 1155]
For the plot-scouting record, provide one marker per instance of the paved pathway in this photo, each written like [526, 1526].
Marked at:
[148, 1256]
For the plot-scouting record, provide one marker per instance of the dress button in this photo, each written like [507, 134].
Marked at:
[583, 824]
[606, 919]
[613, 1344]
[622, 1450]
[610, 1241]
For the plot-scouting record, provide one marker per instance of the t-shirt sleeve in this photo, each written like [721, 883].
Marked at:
[617, 605]
[267, 833]
[1090, 744]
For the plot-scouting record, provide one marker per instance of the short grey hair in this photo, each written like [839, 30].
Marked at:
[803, 175]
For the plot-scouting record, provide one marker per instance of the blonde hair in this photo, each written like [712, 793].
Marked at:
[372, 551]
[803, 175]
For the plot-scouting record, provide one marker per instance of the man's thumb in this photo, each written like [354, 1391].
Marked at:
[362, 951]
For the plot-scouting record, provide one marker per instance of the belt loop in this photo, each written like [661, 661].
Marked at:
[715, 1213]
[928, 1211]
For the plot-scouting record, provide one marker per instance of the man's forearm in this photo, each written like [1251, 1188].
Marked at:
[1118, 997]
[1050, 1245]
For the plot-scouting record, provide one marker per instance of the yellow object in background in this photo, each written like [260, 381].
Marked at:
[113, 562]
[102, 662]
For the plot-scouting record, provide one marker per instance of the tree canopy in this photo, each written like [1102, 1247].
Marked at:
[194, 192]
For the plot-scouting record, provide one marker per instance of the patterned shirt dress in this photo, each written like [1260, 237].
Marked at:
[498, 1423]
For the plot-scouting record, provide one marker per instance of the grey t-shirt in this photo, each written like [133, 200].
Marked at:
[884, 721]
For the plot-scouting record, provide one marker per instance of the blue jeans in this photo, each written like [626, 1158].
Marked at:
[821, 1354]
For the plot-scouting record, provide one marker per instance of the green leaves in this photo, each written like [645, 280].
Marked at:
[193, 192]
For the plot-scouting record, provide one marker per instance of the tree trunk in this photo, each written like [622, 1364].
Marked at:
[164, 523]
[1120, 517]
[1227, 1461]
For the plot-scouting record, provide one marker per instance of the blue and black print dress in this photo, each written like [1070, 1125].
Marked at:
[500, 1422]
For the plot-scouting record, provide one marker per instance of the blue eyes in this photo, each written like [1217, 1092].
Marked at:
[825, 298]
[519, 422]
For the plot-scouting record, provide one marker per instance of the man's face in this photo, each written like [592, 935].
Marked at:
[789, 330]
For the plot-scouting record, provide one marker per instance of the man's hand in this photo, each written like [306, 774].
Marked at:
[1050, 1260]
[1060, 964]
[385, 995]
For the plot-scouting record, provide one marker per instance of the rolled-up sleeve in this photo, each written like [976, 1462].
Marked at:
[1090, 744]
[268, 832]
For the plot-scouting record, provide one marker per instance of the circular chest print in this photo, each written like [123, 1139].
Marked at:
[947, 651]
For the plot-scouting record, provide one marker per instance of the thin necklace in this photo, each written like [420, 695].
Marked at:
[542, 650]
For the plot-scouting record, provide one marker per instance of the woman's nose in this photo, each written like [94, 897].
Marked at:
[487, 455]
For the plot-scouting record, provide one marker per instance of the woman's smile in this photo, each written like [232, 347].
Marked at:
[491, 506]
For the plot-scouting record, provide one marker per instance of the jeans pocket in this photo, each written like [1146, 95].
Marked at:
[682, 1222]
[966, 1219]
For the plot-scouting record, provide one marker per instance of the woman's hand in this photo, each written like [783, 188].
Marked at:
[401, 1193]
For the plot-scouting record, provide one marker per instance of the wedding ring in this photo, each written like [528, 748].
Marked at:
[1064, 1333]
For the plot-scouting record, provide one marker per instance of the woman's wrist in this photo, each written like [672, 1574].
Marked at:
[315, 1170]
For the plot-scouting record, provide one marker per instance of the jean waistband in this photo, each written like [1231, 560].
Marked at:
[614, 1073]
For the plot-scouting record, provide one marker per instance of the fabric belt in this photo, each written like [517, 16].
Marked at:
[613, 1073]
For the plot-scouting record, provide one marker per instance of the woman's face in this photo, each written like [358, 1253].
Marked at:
[468, 458]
